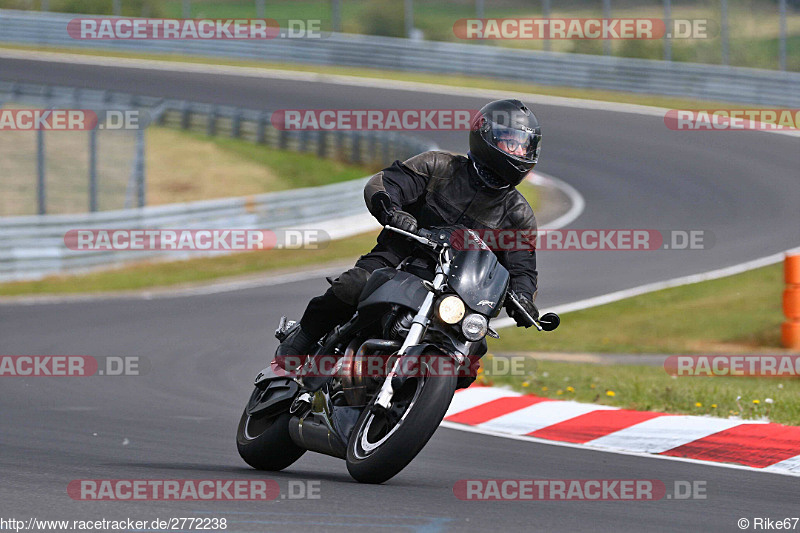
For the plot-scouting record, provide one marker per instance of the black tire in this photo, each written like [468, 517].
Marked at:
[264, 443]
[420, 422]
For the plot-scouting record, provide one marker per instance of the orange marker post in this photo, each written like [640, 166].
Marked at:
[790, 331]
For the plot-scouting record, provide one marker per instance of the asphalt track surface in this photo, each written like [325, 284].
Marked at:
[179, 420]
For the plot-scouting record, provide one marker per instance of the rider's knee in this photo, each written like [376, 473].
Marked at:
[347, 287]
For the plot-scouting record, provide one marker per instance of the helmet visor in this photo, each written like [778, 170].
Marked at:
[523, 145]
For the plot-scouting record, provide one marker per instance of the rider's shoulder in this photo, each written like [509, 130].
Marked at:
[519, 210]
[435, 163]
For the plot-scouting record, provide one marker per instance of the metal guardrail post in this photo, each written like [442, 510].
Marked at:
[186, 115]
[546, 15]
[283, 139]
[668, 33]
[336, 15]
[40, 173]
[606, 15]
[372, 147]
[93, 170]
[304, 141]
[355, 151]
[782, 36]
[211, 125]
[236, 124]
[140, 168]
[726, 52]
[409, 17]
[322, 143]
[261, 128]
[261, 9]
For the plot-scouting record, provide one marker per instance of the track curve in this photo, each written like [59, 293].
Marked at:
[179, 420]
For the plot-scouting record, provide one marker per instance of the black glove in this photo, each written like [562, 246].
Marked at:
[517, 315]
[402, 220]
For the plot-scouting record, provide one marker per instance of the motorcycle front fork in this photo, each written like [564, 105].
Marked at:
[415, 334]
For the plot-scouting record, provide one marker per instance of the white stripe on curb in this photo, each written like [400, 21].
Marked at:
[663, 433]
[474, 396]
[540, 415]
[644, 439]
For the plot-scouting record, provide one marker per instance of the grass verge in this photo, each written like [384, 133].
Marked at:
[149, 275]
[735, 314]
[650, 388]
[739, 313]
[185, 166]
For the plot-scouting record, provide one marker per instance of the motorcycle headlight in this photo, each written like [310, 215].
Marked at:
[451, 309]
[474, 327]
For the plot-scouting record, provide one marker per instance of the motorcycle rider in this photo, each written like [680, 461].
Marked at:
[441, 189]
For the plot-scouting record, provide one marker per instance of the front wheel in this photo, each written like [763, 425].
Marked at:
[264, 442]
[383, 443]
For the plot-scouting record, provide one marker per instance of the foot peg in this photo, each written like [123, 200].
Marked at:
[285, 328]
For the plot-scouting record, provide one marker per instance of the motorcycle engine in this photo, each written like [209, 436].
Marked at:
[398, 325]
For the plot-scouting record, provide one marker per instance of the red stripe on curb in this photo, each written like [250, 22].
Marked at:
[756, 445]
[593, 425]
[490, 410]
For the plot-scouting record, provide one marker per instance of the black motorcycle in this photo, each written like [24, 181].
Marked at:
[426, 334]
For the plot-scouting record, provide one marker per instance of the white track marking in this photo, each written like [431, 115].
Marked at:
[526, 438]
[540, 415]
[663, 433]
[474, 396]
[792, 465]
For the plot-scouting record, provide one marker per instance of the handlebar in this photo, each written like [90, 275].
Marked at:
[422, 236]
[547, 322]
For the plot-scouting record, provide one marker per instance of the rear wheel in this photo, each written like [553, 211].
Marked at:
[264, 442]
[385, 442]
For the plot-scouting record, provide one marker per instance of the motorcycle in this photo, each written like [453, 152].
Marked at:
[427, 334]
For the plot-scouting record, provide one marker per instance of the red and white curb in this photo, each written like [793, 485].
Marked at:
[759, 445]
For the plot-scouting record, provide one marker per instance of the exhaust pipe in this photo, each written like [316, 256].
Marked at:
[316, 435]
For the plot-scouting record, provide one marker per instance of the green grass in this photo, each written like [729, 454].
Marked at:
[734, 314]
[295, 169]
[150, 275]
[740, 313]
[652, 389]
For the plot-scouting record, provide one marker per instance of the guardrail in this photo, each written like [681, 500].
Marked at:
[33, 246]
[709, 82]
[355, 146]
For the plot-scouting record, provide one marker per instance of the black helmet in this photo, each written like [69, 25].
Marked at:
[505, 139]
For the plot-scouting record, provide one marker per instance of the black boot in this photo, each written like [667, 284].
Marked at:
[297, 343]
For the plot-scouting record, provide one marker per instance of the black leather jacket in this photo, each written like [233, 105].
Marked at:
[442, 189]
